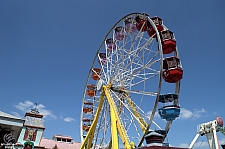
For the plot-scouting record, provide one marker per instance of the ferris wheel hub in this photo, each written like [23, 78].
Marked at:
[99, 84]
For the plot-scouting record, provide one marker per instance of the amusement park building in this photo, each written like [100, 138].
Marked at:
[16, 133]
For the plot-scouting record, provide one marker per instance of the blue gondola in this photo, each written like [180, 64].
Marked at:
[169, 112]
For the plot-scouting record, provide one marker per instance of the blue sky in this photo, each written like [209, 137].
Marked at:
[47, 47]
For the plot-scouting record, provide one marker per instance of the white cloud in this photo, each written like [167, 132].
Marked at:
[28, 105]
[198, 113]
[45, 112]
[24, 106]
[183, 145]
[69, 119]
[185, 114]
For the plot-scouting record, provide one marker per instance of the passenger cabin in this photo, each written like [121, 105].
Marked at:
[119, 33]
[88, 103]
[110, 45]
[96, 73]
[86, 127]
[158, 23]
[154, 138]
[102, 58]
[87, 110]
[130, 25]
[142, 22]
[169, 111]
[91, 93]
[91, 90]
[173, 71]
[87, 120]
[168, 41]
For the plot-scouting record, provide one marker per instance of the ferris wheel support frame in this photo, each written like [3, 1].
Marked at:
[87, 143]
[115, 121]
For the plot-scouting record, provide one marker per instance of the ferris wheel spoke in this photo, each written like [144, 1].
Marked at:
[139, 35]
[150, 63]
[140, 92]
[135, 56]
[145, 79]
[137, 52]
[118, 68]
[135, 73]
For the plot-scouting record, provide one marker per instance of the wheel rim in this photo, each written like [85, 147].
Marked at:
[132, 67]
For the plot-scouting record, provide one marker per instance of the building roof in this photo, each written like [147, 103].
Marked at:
[34, 114]
[63, 137]
[11, 123]
[3, 114]
[49, 144]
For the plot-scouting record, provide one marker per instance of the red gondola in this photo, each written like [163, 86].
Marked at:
[87, 110]
[142, 23]
[173, 71]
[168, 41]
[158, 23]
[86, 127]
[91, 93]
[96, 73]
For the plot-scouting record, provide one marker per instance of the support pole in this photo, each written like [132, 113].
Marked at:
[215, 139]
[194, 140]
[114, 130]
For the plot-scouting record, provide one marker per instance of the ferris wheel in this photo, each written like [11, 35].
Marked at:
[133, 83]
